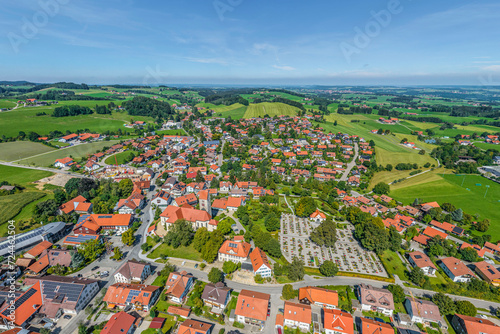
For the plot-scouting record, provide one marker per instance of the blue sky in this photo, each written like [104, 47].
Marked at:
[281, 42]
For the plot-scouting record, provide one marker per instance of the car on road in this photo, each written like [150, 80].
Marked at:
[95, 268]
[482, 316]
[196, 266]
[67, 317]
[79, 275]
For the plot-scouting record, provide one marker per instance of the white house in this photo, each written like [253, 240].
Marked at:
[297, 316]
[456, 270]
[260, 263]
[132, 272]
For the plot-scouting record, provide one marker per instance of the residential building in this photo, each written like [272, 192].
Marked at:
[456, 270]
[130, 204]
[178, 285]
[297, 316]
[120, 323]
[375, 299]
[78, 204]
[161, 199]
[423, 311]
[139, 296]
[260, 263]
[191, 326]
[464, 324]
[337, 322]
[133, 272]
[252, 307]
[37, 250]
[216, 296]
[319, 297]
[488, 272]
[422, 261]
[94, 223]
[236, 250]
[369, 326]
[25, 306]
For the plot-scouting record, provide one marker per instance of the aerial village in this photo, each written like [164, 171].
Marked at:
[246, 226]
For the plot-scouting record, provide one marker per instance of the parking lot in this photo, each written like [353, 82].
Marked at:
[348, 254]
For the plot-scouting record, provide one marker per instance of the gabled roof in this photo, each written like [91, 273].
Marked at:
[370, 295]
[191, 326]
[237, 248]
[173, 213]
[421, 260]
[319, 295]
[177, 283]
[216, 293]
[24, 306]
[132, 269]
[338, 321]
[297, 312]
[119, 323]
[457, 267]
[318, 214]
[475, 325]
[369, 326]
[258, 259]
[252, 305]
[79, 204]
[38, 249]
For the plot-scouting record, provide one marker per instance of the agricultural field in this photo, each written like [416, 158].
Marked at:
[25, 119]
[76, 152]
[271, 109]
[7, 104]
[236, 111]
[17, 150]
[22, 176]
[469, 192]
[121, 158]
[11, 205]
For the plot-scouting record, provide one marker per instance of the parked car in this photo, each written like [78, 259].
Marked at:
[95, 268]
[67, 317]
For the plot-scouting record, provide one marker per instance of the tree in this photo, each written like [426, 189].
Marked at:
[328, 268]
[199, 177]
[44, 331]
[126, 186]
[305, 207]
[272, 222]
[444, 303]
[395, 239]
[381, 188]
[215, 275]
[296, 270]
[398, 293]
[457, 215]
[91, 249]
[465, 307]
[201, 238]
[469, 254]
[483, 226]
[181, 234]
[288, 293]
[417, 276]
[118, 254]
[210, 250]
[128, 237]
[325, 234]
[229, 267]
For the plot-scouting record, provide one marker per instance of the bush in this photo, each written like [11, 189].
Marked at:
[238, 325]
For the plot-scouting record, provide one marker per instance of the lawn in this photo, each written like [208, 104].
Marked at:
[271, 109]
[11, 205]
[121, 158]
[25, 119]
[385, 157]
[76, 152]
[22, 176]
[188, 253]
[17, 150]
[388, 177]
[470, 196]
[394, 265]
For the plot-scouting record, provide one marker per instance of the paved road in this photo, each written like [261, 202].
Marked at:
[131, 253]
[53, 170]
[351, 164]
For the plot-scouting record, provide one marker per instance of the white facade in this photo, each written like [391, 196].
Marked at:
[294, 324]
[264, 271]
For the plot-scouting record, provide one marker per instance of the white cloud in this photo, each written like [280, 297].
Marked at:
[284, 67]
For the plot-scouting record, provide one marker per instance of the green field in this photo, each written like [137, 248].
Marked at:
[25, 119]
[121, 158]
[17, 150]
[11, 205]
[7, 104]
[470, 196]
[22, 176]
[76, 152]
[271, 109]
[182, 252]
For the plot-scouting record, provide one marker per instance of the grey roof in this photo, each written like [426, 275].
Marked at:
[32, 237]
[216, 293]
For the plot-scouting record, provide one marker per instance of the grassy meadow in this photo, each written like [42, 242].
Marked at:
[271, 109]
[16, 150]
[76, 152]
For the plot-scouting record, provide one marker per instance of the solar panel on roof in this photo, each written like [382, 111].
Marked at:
[418, 256]
[107, 216]
[131, 294]
[491, 271]
[20, 301]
